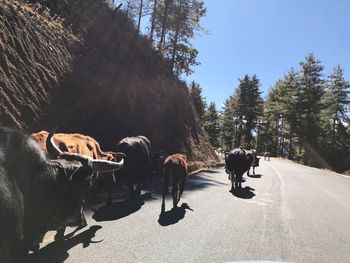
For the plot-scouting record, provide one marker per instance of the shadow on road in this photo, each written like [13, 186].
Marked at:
[57, 252]
[255, 175]
[195, 182]
[174, 215]
[244, 193]
[117, 210]
[212, 171]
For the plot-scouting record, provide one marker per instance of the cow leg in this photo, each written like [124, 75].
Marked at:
[254, 170]
[131, 188]
[248, 171]
[138, 190]
[36, 243]
[60, 234]
[109, 197]
[83, 222]
[236, 180]
[182, 186]
[165, 191]
[232, 177]
[175, 192]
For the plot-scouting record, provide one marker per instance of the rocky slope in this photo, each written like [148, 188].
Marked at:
[81, 64]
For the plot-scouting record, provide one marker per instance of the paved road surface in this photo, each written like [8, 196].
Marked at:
[288, 212]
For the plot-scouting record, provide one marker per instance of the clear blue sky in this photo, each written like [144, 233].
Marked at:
[267, 38]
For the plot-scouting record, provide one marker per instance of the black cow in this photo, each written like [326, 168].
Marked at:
[38, 194]
[255, 162]
[237, 162]
[137, 162]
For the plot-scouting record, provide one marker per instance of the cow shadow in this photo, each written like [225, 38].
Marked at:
[211, 171]
[57, 252]
[196, 182]
[174, 215]
[117, 210]
[193, 182]
[255, 175]
[244, 193]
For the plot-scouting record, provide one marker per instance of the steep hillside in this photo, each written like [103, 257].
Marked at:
[81, 64]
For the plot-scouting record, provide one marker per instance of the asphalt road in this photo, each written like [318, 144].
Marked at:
[288, 212]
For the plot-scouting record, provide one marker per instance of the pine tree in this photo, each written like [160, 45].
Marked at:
[173, 24]
[281, 112]
[197, 99]
[229, 125]
[211, 124]
[248, 106]
[339, 90]
[308, 101]
[335, 141]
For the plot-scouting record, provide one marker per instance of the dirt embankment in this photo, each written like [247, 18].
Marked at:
[82, 65]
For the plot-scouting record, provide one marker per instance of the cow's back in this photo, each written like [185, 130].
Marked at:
[137, 150]
[238, 161]
[176, 165]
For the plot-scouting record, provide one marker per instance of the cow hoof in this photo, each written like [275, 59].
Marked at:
[82, 225]
[35, 248]
[59, 238]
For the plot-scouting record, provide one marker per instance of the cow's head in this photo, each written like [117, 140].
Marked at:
[73, 181]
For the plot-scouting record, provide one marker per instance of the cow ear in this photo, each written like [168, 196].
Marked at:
[80, 174]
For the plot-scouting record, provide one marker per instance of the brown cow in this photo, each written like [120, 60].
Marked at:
[84, 145]
[75, 143]
[175, 172]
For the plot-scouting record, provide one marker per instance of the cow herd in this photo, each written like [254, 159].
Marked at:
[45, 178]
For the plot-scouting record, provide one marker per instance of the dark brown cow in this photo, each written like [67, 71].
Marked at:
[175, 172]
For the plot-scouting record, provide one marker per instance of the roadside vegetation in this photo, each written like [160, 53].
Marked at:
[305, 117]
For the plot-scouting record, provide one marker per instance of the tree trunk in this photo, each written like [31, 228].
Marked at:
[153, 20]
[127, 8]
[176, 37]
[162, 35]
[290, 154]
[140, 15]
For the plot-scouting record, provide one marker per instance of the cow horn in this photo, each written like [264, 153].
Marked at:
[105, 166]
[51, 148]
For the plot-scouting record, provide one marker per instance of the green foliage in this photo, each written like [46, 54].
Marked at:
[248, 108]
[197, 99]
[185, 59]
[212, 125]
[173, 24]
[307, 117]
[280, 108]
[241, 114]
[228, 125]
